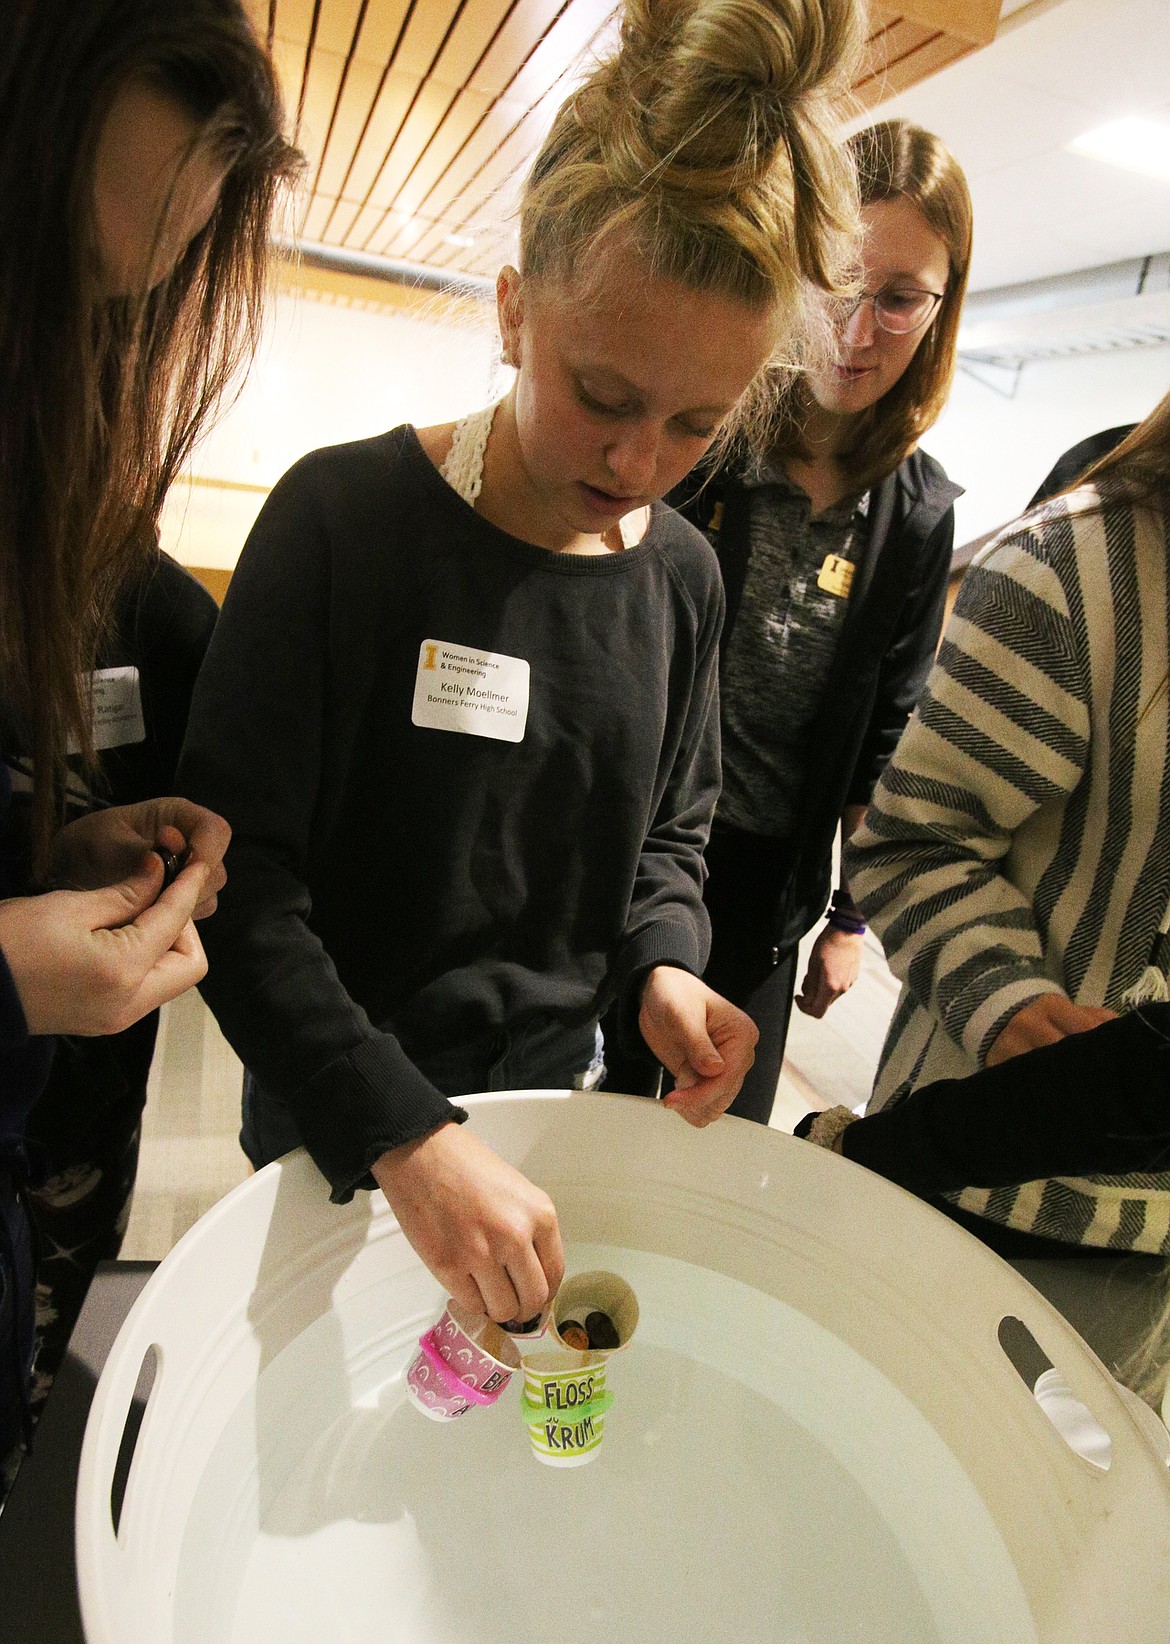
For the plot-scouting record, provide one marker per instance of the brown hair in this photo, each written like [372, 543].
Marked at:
[104, 398]
[1138, 470]
[1136, 474]
[898, 160]
[709, 142]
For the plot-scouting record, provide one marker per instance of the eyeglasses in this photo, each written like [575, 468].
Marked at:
[896, 308]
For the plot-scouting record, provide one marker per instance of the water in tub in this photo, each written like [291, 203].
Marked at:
[759, 1481]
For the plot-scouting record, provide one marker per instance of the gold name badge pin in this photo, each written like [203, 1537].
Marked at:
[836, 576]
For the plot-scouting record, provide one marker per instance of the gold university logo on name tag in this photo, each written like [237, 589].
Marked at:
[836, 576]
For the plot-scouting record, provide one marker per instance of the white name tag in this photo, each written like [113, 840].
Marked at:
[117, 708]
[479, 693]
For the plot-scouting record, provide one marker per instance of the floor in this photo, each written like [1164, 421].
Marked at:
[191, 1157]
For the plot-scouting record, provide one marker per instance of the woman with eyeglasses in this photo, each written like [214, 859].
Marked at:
[835, 552]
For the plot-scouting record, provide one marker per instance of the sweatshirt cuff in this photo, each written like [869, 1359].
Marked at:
[658, 944]
[363, 1104]
[13, 1027]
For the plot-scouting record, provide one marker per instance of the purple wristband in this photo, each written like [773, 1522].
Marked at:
[843, 921]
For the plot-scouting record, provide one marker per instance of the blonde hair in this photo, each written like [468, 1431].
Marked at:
[707, 143]
[897, 160]
[1147, 1368]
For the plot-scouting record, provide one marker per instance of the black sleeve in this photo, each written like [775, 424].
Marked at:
[163, 627]
[265, 713]
[668, 922]
[907, 661]
[1094, 1103]
[13, 1027]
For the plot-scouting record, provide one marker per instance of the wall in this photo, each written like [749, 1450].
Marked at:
[1001, 449]
[342, 358]
[346, 357]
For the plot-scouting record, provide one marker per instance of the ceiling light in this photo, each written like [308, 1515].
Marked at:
[465, 240]
[1135, 142]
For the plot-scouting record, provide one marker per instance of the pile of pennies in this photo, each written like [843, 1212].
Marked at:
[597, 1333]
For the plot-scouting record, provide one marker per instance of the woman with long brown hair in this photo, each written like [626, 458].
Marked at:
[835, 548]
[139, 158]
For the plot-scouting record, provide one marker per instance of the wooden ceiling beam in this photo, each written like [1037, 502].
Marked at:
[425, 35]
[890, 46]
[337, 25]
[935, 52]
[380, 31]
[537, 56]
[318, 101]
[359, 96]
[526, 25]
[420, 117]
[525, 98]
[974, 21]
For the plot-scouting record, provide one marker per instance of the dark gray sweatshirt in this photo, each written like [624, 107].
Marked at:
[396, 886]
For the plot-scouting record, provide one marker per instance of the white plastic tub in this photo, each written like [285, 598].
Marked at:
[816, 1435]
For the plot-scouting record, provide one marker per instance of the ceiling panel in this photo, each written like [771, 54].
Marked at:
[419, 117]
[1057, 69]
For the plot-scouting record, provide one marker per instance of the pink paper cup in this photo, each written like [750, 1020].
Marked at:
[463, 1361]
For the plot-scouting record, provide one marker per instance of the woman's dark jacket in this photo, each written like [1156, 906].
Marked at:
[886, 649]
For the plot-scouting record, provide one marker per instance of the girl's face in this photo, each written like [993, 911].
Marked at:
[901, 253]
[152, 191]
[617, 396]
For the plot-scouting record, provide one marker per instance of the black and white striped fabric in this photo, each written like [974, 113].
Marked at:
[1019, 841]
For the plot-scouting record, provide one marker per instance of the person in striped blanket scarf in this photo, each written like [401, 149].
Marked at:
[1015, 859]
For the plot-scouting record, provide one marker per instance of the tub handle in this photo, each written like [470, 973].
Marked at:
[131, 1427]
[1065, 1392]
[127, 1396]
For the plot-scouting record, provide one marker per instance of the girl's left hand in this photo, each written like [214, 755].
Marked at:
[833, 966]
[707, 1043]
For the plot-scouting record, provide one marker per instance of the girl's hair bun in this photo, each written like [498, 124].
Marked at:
[710, 139]
[714, 83]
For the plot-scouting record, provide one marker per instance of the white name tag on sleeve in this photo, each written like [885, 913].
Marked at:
[117, 708]
[479, 693]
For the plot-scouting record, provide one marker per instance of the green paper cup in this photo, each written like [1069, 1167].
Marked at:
[564, 1405]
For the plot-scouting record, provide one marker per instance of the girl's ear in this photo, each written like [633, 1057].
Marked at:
[510, 310]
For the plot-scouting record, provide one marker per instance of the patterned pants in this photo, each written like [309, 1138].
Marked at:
[88, 1123]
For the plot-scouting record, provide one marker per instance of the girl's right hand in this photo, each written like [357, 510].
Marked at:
[95, 961]
[487, 1234]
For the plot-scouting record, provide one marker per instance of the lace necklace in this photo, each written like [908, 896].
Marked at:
[463, 469]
